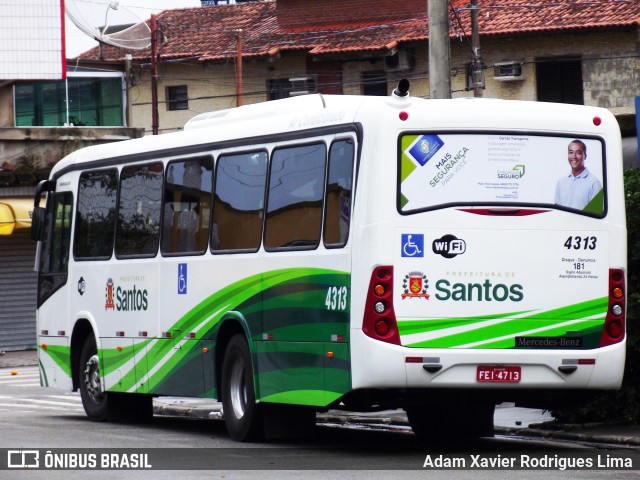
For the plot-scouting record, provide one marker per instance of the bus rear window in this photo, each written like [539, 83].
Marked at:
[441, 170]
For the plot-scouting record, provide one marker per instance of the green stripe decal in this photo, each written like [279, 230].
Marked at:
[44, 380]
[408, 327]
[499, 331]
[61, 355]
[289, 304]
[114, 359]
[210, 311]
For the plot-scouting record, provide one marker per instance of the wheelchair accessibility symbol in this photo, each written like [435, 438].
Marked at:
[412, 245]
[182, 279]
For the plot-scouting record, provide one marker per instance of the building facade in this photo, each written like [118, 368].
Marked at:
[584, 53]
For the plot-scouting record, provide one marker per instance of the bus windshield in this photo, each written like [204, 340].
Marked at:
[439, 170]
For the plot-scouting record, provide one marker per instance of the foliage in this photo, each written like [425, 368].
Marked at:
[623, 405]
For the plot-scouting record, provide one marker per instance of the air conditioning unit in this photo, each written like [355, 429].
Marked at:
[508, 71]
[303, 85]
[401, 61]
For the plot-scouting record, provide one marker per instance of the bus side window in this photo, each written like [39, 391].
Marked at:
[96, 215]
[239, 201]
[138, 227]
[337, 214]
[187, 205]
[296, 188]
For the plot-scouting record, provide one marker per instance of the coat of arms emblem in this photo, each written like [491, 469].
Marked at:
[415, 284]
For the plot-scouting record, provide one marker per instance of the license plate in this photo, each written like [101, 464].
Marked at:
[487, 373]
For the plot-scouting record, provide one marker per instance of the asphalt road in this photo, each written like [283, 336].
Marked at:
[52, 423]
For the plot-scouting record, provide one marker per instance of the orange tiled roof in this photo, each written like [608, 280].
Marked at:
[210, 33]
[500, 17]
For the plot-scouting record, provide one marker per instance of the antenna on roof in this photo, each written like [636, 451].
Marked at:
[121, 27]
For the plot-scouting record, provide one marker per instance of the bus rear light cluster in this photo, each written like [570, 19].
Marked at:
[379, 317]
[614, 325]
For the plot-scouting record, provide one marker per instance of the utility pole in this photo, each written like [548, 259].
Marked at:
[439, 55]
[154, 75]
[239, 69]
[476, 60]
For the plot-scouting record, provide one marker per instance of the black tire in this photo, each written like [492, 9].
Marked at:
[94, 400]
[242, 415]
[101, 406]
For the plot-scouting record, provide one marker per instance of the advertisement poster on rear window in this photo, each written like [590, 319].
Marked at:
[443, 169]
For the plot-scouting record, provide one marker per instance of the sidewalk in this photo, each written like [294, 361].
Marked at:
[509, 420]
[18, 359]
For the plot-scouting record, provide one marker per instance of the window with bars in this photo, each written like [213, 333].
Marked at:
[178, 97]
[560, 80]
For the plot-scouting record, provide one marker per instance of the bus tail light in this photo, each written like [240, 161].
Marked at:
[614, 324]
[379, 316]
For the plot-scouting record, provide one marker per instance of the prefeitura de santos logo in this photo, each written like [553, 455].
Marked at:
[125, 299]
[415, 285]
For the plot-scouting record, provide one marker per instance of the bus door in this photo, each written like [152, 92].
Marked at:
[53, 312]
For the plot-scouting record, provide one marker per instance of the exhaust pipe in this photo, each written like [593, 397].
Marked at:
[402, 90]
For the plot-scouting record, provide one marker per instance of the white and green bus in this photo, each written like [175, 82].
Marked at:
[340, 252]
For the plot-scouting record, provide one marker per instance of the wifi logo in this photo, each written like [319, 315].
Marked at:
[449, 246]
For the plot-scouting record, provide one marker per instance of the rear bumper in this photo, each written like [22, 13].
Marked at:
[379, 365]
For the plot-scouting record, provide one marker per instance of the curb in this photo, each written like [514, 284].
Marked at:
[203, 412]
[574, 434]
[21, 358]
[345, 419]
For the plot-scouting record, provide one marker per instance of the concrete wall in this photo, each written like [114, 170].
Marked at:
[27, 154]
[210, 87]
[610, 67]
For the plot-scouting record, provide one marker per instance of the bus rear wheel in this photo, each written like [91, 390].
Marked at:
[242, 415]
[94, 399]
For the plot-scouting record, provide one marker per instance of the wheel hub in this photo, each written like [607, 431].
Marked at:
[238, 390]
[92, 379]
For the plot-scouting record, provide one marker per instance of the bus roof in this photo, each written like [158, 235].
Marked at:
[316, 111]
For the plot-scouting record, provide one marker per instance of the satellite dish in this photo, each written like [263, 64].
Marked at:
[120, 27]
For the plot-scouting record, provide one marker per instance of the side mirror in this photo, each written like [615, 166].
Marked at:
[38, 215]
[37, 224]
